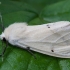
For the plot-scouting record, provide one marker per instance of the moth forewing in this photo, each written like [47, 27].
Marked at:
[50, 39]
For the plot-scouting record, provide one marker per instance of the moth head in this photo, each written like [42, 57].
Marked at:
[2, 37]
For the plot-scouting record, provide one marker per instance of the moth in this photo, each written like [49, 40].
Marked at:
[51, 39]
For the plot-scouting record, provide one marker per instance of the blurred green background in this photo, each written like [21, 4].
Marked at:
[33, 12]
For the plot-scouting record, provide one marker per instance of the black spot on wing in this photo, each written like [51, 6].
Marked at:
[48, 26]
[52, 50]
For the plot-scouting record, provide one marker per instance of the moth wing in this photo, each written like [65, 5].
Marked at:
[45, 39]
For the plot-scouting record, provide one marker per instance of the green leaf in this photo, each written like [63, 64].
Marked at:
[39, 4]
[30, 11]
[20, 16]
[10, 6]
[56, 12]
[36, 21]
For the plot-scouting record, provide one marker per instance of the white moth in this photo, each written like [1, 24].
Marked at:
[50, 39]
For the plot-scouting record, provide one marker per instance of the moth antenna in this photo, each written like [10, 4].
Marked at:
[2, 54]
[2, 25]
[2, 22]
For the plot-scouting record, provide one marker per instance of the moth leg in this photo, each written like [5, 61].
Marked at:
[3, 52]
[28, 49]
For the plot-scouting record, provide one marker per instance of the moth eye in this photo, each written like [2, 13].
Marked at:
[4, 39]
